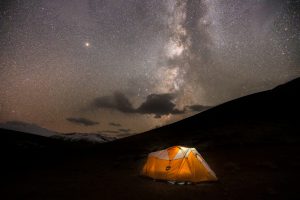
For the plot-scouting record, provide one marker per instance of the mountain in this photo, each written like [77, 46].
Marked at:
[14, 141]
[37, 130]
[251, 143]
[28, 128]
[261, 117]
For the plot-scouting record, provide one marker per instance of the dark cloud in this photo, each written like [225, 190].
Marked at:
[159, 104]
[121, 135]
[197, 108]
[115, 124]
[156, 104]
[108, 131]
[123, 130]
[82, 121]
[118, 101]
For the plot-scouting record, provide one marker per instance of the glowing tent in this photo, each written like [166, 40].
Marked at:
[179, 164]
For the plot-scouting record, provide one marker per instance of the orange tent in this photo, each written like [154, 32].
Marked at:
[179, 164]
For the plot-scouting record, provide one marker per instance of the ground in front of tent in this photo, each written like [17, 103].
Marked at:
[256, 172]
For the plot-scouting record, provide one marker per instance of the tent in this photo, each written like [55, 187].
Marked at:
[178, 164]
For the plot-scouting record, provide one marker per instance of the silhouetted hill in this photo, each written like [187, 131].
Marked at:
[261, 117]
[27, 128]
[15, 141]
[19, 140]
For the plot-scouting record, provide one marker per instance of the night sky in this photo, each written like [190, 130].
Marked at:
[120, 67]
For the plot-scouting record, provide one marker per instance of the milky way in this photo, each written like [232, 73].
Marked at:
[107, 66]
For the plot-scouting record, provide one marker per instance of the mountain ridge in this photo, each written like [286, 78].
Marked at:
[278, 104]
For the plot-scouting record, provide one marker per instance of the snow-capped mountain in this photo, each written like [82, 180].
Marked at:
[37, 130]
[90, 137]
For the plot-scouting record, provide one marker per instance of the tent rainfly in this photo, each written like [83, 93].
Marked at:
[178, 164]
